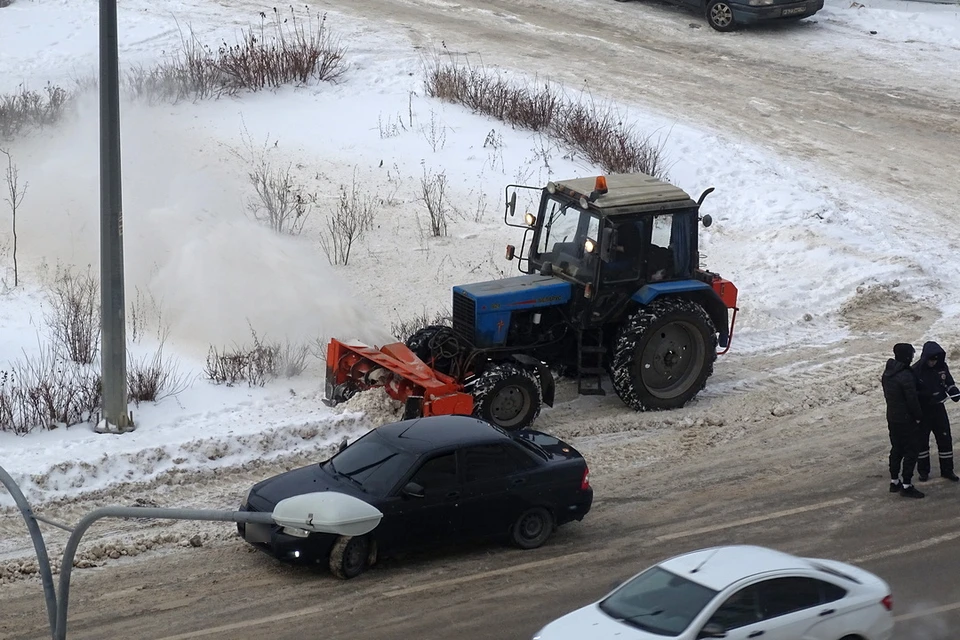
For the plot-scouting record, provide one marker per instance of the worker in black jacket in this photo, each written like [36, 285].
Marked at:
[935, 386]
[903, 419]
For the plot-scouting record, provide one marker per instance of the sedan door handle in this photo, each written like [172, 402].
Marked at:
[827, 612]
[518, 481]
[755, 634]
[453, 494]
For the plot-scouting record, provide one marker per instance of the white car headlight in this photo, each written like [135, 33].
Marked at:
[295, 531]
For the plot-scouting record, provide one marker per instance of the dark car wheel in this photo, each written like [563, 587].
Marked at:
[350, 556]
[720, 16]
[532, 528]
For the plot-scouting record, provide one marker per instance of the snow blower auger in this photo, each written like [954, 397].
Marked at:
[612, 291]
[356, 367]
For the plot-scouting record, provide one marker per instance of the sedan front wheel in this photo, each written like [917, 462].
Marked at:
[720, 15]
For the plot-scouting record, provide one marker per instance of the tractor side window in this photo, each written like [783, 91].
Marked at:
[660, 259]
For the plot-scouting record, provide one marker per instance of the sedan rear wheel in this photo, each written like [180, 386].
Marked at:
[532, 528]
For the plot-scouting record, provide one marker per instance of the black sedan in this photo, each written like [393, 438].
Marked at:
[435, 479]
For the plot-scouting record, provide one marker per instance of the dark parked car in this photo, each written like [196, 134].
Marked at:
[435, 479]
[727, 15]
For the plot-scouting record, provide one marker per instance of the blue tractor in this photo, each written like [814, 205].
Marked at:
[610, 287]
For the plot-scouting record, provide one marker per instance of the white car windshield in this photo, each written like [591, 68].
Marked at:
[658, 601]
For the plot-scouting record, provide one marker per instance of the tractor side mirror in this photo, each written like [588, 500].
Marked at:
[512, 204]
[706, 220]
[608, 244]
[511, 251]
[413, 490]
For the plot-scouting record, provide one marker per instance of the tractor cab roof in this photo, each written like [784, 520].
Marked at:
[625, 194]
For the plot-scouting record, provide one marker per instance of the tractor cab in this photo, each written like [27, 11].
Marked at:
[610, 235]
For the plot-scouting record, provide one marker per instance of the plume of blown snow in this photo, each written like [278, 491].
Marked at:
[187, 238]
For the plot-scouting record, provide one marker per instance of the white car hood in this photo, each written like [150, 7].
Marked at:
[593, 624]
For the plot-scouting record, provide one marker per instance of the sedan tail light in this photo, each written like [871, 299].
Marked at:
[887, 603]
[585, 481]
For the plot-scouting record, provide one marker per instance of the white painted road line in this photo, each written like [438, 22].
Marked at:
[927, 612]
[247, 623]
[770, 516]
[486, 574]
[916, 546]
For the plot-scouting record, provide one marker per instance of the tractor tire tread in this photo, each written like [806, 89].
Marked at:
[631, 334]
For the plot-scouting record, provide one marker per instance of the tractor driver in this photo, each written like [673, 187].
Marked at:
[625, 265]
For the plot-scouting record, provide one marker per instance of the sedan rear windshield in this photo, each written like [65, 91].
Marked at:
[371, 463]
[658, 601]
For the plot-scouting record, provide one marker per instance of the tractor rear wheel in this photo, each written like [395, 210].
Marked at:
[436, 345]
[664, 354]
[507, 395]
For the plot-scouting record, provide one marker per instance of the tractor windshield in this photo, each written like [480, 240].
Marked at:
[563, 239]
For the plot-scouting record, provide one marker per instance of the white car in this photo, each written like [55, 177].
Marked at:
[737, 592]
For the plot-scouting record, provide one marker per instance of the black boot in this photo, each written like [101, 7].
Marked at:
[950, 475]
[910, 492]
[895, 487]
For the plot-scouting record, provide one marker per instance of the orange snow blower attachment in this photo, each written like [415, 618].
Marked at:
[357, 367]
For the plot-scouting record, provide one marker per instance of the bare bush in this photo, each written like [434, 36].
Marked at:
[281, 203]
[404, 328]
[14, 198]
[353, 217]
[297, 51]
[153, 378]
[433, 194]
[285, 50]
[74, 315]
[47, 392]
[142, 308]
[26, 109]
[256, 363]
[597, 131]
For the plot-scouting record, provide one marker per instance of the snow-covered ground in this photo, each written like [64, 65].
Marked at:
[800, 245]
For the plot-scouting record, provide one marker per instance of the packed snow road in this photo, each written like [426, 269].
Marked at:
[869, 108]
[734, 494]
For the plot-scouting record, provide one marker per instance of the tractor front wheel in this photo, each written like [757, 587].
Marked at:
[436, 345]
[507, 395]
[664, 354]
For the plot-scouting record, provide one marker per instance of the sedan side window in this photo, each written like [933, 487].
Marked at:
[739, 610]
[781, 596]
[488, 462]
[437, 474]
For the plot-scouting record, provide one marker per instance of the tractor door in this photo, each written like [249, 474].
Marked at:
[671, 251]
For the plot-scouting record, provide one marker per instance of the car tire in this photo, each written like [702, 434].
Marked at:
[508, 396]
[350, 556]
[532, 528]
[720, 15]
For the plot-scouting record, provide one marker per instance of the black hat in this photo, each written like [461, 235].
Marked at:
[903, 352]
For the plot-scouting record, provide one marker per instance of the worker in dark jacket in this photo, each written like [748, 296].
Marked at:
[903, 419]
[935, 386]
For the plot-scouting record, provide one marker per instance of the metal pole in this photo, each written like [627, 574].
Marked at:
[113, 337]
[135, 512]
[46, 573]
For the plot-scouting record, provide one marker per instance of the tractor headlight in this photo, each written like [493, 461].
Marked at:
[530, 219]
[589, 245]
[551, 187]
